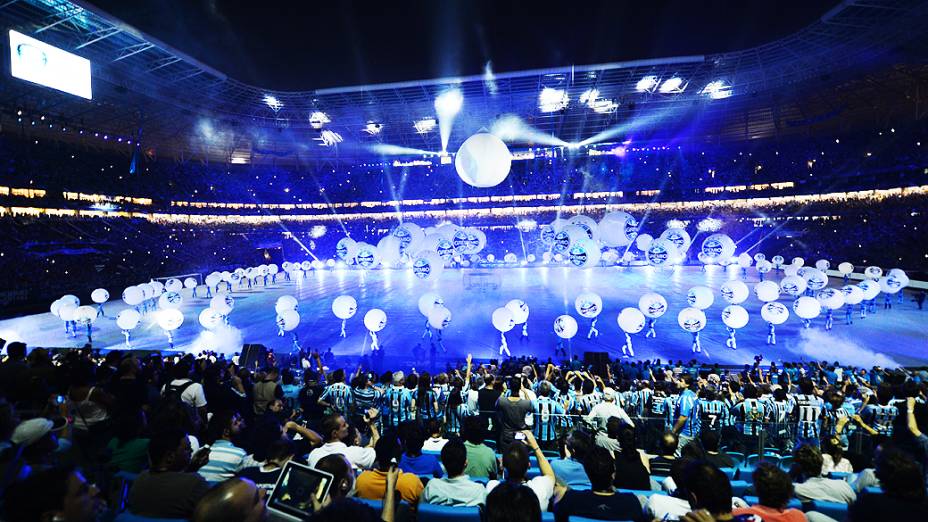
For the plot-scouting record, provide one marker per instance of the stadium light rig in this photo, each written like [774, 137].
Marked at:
[673, 85]
[591, 99]
[318, 119]
[552, 100]
[272, 102]
[425, 125]
[373, 128]
[647, 84]
[329, 138]
[717, 90]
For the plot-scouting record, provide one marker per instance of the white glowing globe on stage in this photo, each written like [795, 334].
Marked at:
[735, 292]
[344, 307]
[519, 310]
[831, 298]
[565, 326]
[735, 316]
[631, 320]
[100, 295]
[375, 320]
[170, 319]
[691, 319]
[128, 318]
[774, 313]
[502, 319]
[483, 161]
[807, 307]
[439, 317]
[288, 320]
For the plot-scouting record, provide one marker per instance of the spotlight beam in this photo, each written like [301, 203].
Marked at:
[627, 127]
[511, 128]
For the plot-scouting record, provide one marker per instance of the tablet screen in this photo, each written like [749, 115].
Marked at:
[297, 485]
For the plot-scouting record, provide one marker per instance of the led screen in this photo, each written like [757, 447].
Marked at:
[38, 62]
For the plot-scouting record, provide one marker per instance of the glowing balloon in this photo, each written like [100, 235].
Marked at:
[440, 317]
[170, 299]
[700, 297]
[735, 316]
[643, 241]
[679, 237]
[830, 298]
[68, 298]
[734, 292]
[375, 320]
[427, 265]
[173, 285]
[85, 314]
[388, 250]
[652, 305]
[588, 225]
[170, 319]
[66, 311]
[483, 161]
[502, 319]
[745, 260]
[285, 302]
[128, 319]
[56, 304]
[767, 291]
[807, 307]
[853, 294]
[778, 261]
[758, 257]
[510, 258]
[764, 266]
[793, 285]
[798, 262]
[846, 268]
[661, 252]
[822, 264]
[519, 310]
[617, 229]
[190, 283]
[210, 318]
[873, 272]
[367, 256]
[871, 289]
[100, 295]
[429, 301]
[344, 307]
[132, 295]
[718, 247]
[774, 312]
[584, 254]
[588, 304]
[288, 320]
[815, 279]
[890, 284]
[565, 326]
[222, 304]
[691, 319]
[631, 320]
[346, 248]
[567, 237]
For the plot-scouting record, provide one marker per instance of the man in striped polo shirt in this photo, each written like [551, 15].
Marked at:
[225, 458]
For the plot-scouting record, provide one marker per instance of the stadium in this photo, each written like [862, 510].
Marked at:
[203, 212]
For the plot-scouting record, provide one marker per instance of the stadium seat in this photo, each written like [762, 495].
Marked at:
[752, 460]
[376, 504]
[730, 472]
[129, 517]
[794, 503]
[430, 452]
[835, 510]
[786, 462]
[738, 487]
[641, 492]
[434, 513]
[547, 516]
[874, 490]
[739, 457]
[839, 475]
[491, 444]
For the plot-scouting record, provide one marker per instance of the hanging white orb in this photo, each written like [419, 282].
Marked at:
[483, 160]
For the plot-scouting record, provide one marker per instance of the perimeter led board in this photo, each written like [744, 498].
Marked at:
[40, 63]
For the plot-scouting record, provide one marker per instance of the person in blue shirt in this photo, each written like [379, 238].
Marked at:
[337, 397]
[413, 460]
[569, 469]
[547, 417]
[686, 412]
[396, 403]
[425, 399]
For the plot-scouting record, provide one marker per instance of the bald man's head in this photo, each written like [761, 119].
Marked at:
[235, 500]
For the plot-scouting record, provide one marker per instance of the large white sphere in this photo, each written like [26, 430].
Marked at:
[344, 307]
[66, 311]
[618, 229]
[502, 319]
[565, 326]
[652, 305]
[132, 295]
[832, 298]
[822, 264]
[587, 224]
[170, 299]
[718, 247]
[691, 319]
[209, 318]
[85, 314]
[286, 302]
[853, 294]
[128, 319]
[643, 241]
[807, 307]
[678, 237]
[774, 312]
[846, 268]
[428, 301]
[213, 279]
[631, 320]
[346, 248]
[439, 317]
[661, 252]
[890, 284]
[519, 310]
[588, 304]
[793, 285]
[763, 266]
[745, 260]
[735, 316]
[173, 285]
[871, 289]
[700, 297]
[170, 319]
[815, 279]
[798, 262]
[56, 304]
[69, 298]
[100, 295]
[375, 319]
[584, 254]
[190, 283]
[288, 320]
[367, 256]
[767, 291]
[222, 304]
[873, 272]
[483, 160]
[735, 291]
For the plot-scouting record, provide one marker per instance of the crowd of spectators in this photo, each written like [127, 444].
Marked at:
[198, 437]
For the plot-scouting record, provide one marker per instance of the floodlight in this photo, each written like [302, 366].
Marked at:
[329, 138]
[373, 128]
[675, 223]
[717, 90]
[709, 225]
[425, 125]
[647, 84]
[552, 100]
[318, 119]
[673, 85]
[591, 99]
[273, 102]
[448, 103]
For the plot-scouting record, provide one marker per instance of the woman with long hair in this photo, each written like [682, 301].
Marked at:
[426, 399]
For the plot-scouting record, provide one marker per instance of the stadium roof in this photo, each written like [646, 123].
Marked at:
[180, 106]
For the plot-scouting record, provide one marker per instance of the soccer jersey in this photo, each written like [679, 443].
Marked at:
[688, 406]
[425, 406]
[548, 413]
[643, 402]
[365, 398]
[712, 415]
[339, 396]
[396, 406]
[750, 414]
[589, 400]
[880, 417]
[808, 412]
[454, 418]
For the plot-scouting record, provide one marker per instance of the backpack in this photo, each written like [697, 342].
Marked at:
[172, 395]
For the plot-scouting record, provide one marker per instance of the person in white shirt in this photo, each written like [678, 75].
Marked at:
[809, 483]
[335, 429]
[435, 442]
[601, 413]
[516, 462]
[191, 393]
[456, 489]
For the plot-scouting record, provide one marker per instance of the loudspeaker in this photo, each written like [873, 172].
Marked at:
[597, 360]
[253, 356]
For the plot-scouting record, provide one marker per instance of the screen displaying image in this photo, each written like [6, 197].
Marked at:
[296, 488]
[40, 63]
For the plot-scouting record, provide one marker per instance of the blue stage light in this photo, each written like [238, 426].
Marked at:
[647, 84]
[272, 102]
[673, 85]
[717, 90]
[449, 103]
[552, 100]
[318, 119]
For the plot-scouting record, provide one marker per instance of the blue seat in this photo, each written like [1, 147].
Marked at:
[584, 519]
[738, 487]
[547, 516]
[839, 475]
[730, 472]
[376, 504]
[874, 490]
[752, 460]
[835, 510]
[433, 513]
[794, 503]
[739, 457]
[125, 516]
[786, 462]
[642, 492]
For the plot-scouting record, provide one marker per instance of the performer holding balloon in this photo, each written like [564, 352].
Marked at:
[589, 305]
[503, 321]
[375, 320]
[653, 306]
[565, 327]
[344, 307]
[692, 320]
[631, 321]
